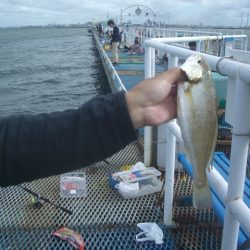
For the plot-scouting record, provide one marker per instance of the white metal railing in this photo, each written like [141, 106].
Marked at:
[231, 193]
[112, 72]
[143, 33]
[237, 211]
[201, 40]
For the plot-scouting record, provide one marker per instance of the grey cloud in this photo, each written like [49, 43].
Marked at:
[181, 11]
[246, 4]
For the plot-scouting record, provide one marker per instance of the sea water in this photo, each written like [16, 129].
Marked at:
[48, 69]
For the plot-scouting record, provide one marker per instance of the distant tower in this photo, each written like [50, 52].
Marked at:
[107, 14]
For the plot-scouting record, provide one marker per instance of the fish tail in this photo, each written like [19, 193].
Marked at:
[202, 197]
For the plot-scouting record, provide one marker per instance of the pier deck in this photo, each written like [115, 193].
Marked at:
[131, 68]
[103, 217]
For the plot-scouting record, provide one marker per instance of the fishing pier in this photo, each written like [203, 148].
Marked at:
[108, 221]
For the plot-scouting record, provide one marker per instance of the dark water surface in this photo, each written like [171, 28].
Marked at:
[48, 69]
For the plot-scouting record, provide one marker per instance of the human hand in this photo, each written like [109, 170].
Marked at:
[153, 101]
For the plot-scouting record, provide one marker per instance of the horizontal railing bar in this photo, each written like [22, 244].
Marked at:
[225, 65]
[196, 38]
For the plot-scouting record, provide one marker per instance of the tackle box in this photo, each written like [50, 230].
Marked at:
[73, 185]
[132, 184]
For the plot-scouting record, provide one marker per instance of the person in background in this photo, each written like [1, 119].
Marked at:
[136, 48]
[165, 61]
[37, 146]
[115, 39]
[100, 30]
[136, 41]
[192, 45]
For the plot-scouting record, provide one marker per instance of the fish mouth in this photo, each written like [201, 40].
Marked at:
[195, 80]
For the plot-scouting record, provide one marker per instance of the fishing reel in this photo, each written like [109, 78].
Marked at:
[37, 202]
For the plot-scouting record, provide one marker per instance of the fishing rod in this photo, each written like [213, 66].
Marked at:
[40, 198]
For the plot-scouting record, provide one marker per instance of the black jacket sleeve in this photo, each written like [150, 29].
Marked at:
[35, 146]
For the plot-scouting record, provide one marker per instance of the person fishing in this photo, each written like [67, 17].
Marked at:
[115, 40]
[136, 48]
[100, 30]
[37, 146]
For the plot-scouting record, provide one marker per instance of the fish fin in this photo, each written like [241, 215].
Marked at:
[202, 197]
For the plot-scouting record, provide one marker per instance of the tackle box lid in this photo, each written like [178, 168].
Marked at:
[136, 175]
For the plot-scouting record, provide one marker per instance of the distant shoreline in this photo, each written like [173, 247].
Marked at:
[85, 26]
[45, 27]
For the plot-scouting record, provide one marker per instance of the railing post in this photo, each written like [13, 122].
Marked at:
[152, 62]
[172, 61]
[245, 43]
[238, 160]
[148, 130]
[169, 179]
[170, 164]
[198, 48]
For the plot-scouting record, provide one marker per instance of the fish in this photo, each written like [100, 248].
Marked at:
[197, 118]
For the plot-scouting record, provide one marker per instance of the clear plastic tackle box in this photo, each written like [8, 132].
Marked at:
[73, 185]
[132, 184]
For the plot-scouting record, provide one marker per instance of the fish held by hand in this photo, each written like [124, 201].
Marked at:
[196, 111]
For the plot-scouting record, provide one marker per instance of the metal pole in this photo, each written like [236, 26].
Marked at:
[172, 61]
[170, 164]
[217, 183]
[198, 48]
[169, 179]
[147, 65]
[238, 160]
[245, 43]
[241, 212]
[148, 130]
[152, 62]
[175, 129]
[195, 38]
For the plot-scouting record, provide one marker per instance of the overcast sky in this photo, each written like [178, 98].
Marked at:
[36, 12]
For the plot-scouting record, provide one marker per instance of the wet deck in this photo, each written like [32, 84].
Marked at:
[131, 68]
